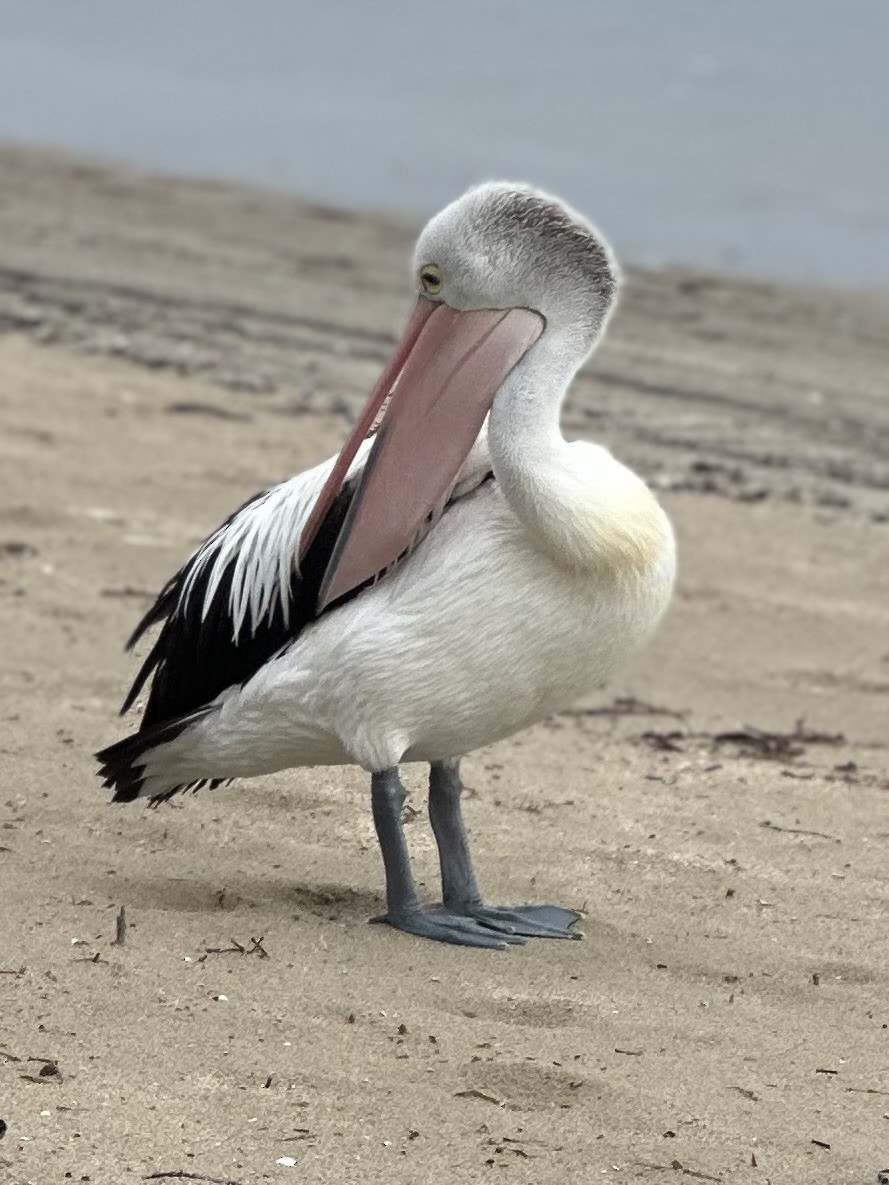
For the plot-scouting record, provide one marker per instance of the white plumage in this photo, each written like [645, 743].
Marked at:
[476, 635]
[262, 541]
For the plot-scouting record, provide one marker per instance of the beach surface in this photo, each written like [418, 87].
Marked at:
[719, 811]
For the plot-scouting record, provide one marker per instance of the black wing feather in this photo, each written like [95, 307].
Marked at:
[196, 655]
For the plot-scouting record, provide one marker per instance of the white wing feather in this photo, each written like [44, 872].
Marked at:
[262, 540]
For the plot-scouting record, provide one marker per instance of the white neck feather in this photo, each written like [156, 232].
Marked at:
[524, 427]
[582, 506]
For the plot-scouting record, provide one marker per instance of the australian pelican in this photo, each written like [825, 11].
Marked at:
[442, 583]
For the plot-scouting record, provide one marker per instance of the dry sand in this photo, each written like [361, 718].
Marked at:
[170, 346]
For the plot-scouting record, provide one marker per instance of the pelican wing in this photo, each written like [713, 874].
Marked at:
[240, 598]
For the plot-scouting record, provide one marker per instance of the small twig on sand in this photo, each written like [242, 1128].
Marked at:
[142, 594]
[678, 1167]
[665, 742]
[182, 1175]
[770, 826]
[752, 742]
[120, 928]
[238, 948]
[627, 706]
[48, 1074]
[12, 1057]
[194, 407]
[478, 1094]
[777, 744]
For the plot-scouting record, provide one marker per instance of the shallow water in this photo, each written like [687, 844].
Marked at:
[750, 137]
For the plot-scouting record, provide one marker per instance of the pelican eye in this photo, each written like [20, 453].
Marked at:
[430, 278]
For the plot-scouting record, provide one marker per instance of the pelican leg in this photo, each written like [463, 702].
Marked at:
[404, 909]
[460, 891]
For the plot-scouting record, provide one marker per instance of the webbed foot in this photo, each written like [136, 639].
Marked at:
[530, 921]
[441, 925]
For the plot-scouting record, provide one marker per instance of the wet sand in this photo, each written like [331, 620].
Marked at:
[167, 348]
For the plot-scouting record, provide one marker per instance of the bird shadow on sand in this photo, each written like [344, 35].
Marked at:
[240, 894]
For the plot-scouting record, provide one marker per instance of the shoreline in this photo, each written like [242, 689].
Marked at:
[210, 280]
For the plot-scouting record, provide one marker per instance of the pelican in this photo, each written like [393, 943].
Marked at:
[447, 580]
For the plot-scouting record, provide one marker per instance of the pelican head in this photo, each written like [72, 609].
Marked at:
[497, 270]
[504, 246]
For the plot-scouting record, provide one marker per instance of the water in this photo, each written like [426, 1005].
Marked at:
[749, 136]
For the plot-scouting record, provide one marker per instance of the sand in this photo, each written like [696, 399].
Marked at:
[168, 347]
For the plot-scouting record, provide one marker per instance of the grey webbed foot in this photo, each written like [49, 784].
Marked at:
[441, 925]
[531, 921]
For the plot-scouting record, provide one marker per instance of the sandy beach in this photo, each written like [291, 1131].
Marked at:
[719, 811]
